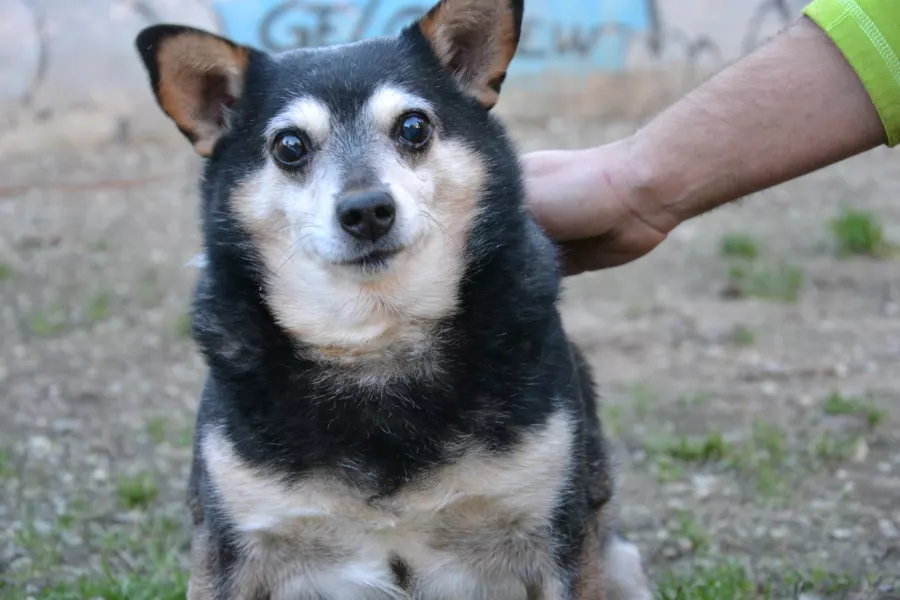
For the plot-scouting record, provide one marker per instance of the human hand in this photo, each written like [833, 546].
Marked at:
[592, 203]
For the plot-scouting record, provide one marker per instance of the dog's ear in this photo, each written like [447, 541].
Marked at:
[475, 40]
[196, 76]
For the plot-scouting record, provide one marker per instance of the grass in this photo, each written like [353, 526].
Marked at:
[760, 459]
[6, 271]
[742, 336]
[158, 429]
[709, 448]
[139, 560]
[137, 491]
[763, 457]
[830, 447]
[49, 322]
[838, 404]
[859, 233]
[108, 586]
[98, 309]
[781, 281]
[739, 245]
[6, 465]
[689, 529]
[150, 292]
[726, 580]
[183, 326]
[611, 416]
[642, 396]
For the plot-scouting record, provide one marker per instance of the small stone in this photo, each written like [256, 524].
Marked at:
[64, 425]
[805, 596]
[100, 474]
[769, 388]
[883, 467]
[806, 400]
[840, 370]
[40, 446]
[779, 533]
[670, 552]
[704, 485]
[860, 451]
[887, 529]
[841, 534]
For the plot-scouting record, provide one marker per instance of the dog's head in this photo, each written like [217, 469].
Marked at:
[356, 171]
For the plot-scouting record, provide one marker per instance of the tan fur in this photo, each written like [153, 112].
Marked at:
[481, 72]
[476, 528]
[591, 567]
[202, 582]
[183, 62]
[383, 321]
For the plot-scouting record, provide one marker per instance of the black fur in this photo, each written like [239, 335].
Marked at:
[506, 362]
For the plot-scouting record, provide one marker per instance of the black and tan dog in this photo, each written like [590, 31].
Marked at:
[393, 409]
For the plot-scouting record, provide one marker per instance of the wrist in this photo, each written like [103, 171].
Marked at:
[644, 186]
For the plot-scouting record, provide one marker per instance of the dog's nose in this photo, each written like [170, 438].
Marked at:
[367, 214]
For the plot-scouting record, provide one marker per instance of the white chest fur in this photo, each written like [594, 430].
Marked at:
[477, 528]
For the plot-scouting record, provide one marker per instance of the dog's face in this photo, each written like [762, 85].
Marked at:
[356, 170]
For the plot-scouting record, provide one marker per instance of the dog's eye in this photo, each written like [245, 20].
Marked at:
[414, 130]
[289, 148]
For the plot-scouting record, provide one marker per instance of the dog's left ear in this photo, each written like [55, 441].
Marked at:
[197, 76]
[475, 40]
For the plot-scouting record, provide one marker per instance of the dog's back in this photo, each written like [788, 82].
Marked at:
[393, 409]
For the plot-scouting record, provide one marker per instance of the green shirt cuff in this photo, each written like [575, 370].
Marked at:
[868, 34]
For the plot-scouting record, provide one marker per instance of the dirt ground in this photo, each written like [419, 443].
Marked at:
[756, 432]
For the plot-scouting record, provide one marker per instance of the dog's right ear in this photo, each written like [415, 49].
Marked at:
[196, 76]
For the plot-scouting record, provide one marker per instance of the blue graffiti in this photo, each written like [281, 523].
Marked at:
[556, 34]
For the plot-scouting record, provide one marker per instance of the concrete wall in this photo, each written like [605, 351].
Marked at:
[68, 71]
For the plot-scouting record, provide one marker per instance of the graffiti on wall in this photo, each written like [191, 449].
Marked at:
[592, 33]
[556, 34]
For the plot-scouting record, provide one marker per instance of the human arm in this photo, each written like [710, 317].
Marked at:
[791, 107]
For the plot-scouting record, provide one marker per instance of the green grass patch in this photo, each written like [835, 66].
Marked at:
[183, 325]
[642, 396]
[838, 404]
[760, 459]
[709, 448]
[98, 309]
[726, 580]
[859, 233]
[742, 336]
[132, 586]
[6, 271]
[158, 429]
[54, 320]
[137, 491]
[739, 245]
[781, 281]
[688, 528]
[139, 560]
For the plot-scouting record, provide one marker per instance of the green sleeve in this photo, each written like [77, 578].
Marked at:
[868, 34]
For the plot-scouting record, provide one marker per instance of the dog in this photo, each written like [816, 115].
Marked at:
[392, 408]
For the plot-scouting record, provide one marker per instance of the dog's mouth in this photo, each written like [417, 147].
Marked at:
[372, 260]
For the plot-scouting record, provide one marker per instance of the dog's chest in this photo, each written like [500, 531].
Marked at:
[478, 528]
